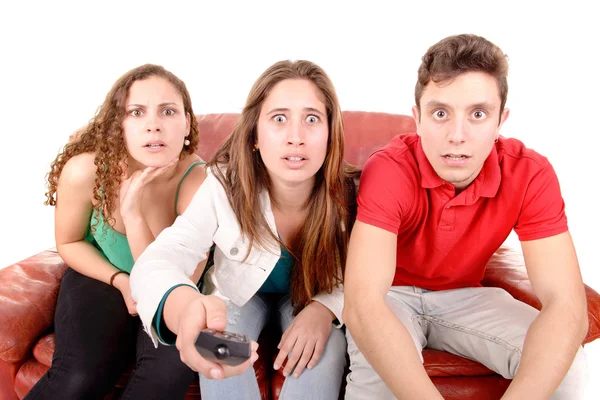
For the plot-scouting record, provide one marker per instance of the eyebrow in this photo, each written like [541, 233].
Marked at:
[309, 109]
[439, 104]
[160, 105]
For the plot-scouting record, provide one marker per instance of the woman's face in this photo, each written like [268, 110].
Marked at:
[293, 131]
[155, 123]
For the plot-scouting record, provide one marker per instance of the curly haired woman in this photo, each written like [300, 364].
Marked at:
[122, 180]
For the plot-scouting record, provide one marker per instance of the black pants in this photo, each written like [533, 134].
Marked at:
[96, 339]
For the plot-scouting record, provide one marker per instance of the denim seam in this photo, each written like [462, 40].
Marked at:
[475, 332]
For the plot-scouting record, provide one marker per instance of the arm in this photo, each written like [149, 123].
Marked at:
[174, 256]
[168, 262]
[72, 218]
[556, 334]
[378, 333]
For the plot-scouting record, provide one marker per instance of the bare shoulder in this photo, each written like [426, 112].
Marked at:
[191, 182]
[79, 172]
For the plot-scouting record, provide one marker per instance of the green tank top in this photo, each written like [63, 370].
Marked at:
[114, 245]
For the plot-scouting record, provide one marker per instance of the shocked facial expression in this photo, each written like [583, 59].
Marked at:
[155, 124]
[458, 123]
[293, 131]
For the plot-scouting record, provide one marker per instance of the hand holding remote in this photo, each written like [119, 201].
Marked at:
[223, 347]
[210, 312]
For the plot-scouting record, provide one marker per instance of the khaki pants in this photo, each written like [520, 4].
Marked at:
[483, 324]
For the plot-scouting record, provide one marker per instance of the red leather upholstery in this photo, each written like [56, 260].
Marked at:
[29, 289]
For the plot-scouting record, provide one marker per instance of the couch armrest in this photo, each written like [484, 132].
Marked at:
[27, 301]
[506, 269]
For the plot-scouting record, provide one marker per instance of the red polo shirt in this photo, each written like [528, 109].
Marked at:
[445, 240]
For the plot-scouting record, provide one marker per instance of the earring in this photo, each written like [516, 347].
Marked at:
[255, 148]
[186, 142]
[496, 141]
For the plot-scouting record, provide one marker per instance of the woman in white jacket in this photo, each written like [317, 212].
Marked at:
[278, 205]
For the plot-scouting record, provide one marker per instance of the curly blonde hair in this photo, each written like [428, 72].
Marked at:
[104, 136]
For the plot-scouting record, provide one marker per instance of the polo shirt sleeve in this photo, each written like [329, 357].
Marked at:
[543, 210]
[383, 187]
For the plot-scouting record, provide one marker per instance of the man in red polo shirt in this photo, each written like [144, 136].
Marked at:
[432, 209]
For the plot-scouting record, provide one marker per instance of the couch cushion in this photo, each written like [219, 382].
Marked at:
[44, 349]
[28, 375]
[28, 298]
[506, 269]
[442, 364]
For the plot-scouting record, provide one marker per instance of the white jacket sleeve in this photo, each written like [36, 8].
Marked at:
[334, 301]
[175, 253]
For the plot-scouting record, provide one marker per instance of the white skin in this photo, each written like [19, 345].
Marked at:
[155, 113]
[458, 125]
[292, 140]
[462, 118]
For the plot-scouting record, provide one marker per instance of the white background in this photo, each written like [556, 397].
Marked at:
[59, 59]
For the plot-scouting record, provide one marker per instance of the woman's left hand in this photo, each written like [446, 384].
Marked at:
[304, 340]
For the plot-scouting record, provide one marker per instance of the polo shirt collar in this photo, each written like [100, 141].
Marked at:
[486, 184]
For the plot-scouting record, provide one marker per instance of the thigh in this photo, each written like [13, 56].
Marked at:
[91, 315]
[363, 382]
[159, 372]
[249, 320]
[94, 340]
[324, 380]
[483, 324]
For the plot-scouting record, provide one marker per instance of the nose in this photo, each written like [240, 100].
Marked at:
[457, 133]
[153, 124]
[295, 134]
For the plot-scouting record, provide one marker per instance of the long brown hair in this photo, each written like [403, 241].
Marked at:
[320, 245]
[458, 54]
[104, 136]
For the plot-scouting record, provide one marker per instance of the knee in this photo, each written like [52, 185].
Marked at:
[78, 383]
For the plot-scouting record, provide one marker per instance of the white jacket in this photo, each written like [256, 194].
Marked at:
[177, 250]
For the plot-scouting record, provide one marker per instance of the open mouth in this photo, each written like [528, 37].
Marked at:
[154, 145]
[295, 159]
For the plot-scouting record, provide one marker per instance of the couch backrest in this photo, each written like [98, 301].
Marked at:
[365, 132]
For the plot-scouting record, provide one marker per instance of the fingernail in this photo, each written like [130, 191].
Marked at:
[276, 366]
[253, 358]
[310, 366]
[214, 373]
[296, 376]
[285, 373]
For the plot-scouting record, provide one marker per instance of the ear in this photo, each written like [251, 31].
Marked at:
[503, 118]
[188, 120]
[417, 116]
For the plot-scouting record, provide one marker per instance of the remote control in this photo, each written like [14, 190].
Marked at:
[223, 347]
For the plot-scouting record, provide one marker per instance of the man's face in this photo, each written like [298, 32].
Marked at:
[458, 124]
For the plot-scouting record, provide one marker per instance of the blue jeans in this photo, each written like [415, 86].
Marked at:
[322, 382]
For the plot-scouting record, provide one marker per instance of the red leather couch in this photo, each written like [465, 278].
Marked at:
[29, 289]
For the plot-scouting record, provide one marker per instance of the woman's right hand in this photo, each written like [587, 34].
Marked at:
[206, 312]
